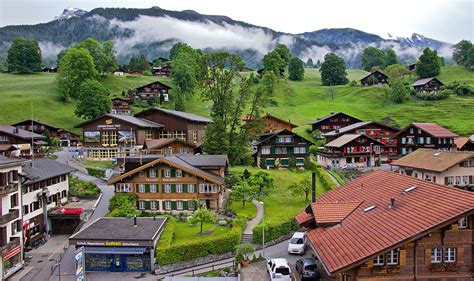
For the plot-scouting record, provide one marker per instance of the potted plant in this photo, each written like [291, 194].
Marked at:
[242, 254]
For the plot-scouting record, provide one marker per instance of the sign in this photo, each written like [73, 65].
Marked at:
[109, 126]
[111, 243]
[80, 264]
[12, 253]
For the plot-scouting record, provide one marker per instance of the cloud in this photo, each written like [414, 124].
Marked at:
[315, 53]
[50, 50]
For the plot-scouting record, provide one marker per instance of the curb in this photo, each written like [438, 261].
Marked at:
[97, 201]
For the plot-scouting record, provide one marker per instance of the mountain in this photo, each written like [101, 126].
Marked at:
[153, 31]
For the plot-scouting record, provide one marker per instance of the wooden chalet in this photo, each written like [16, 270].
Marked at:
[121, 106]
[387, 226]
[273, 123]
[53, 69]
[464, 143]
[425, 135]
[152, 90]
[168, 147]
[115, 135]
[358, 149]
[411, 67]
[279, 148]
[261, 71]
[66, 138]
[177, 124]
[174, 183]
[136, 73]
[427, 85]
[161, 71]
[21, 140]
[333, 121]
[374, 78]
[119, 72]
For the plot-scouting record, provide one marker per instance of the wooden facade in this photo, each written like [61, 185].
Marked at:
[162, 71]
[153, 90]
[374, 78]
[168, 147]
[333, 121]
[414, 137]
[428, 85]
[21, 139]
[121, 106]
[67, 138]
[278, 149]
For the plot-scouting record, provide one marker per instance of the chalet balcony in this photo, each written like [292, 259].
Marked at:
[9, 188]
[12, 214]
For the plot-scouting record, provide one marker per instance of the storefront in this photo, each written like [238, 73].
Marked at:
[11, 259]
[119, 244]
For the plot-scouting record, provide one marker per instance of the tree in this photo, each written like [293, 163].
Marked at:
[428, 64]
[273, 62]
[120, 199]
[178, 48]
[333, 70]
[179, 102]
[216, 140]
[94, 100]
[371, 57]
[75, 67]
[24, 56]
[397, 92]
[284, 53]
[395, 72]
[318, 64]
[461, 52]
[309, 63]
[243, 192]
[302, 187]
[126, 209]
[470, 60]
[261, 181]
[201, 216]
[441, 61]
[296, 69]
[268, 82]
[185, 71]
[390, 58]
[138, 63]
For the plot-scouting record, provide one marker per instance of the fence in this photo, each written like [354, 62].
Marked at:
[204, 269]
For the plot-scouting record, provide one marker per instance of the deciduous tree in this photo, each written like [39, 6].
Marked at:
[397, 92]
[333, 70]
[390, 57]
[243, 192]
[284, 53]
[371, 57]
[302, 187]
[261, 181]
[202, 216]
[461, 52]
[24, 56]
[94, 100]
[296, 69]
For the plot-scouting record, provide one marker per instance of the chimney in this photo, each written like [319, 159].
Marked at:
[313, 187]
[392, 203]
[135, 221]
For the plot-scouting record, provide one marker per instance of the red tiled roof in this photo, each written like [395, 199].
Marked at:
[303, 217]
[461, 141]
[435, 130]
[365, 234]
[333, 212]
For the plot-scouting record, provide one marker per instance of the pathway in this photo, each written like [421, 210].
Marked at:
[247, 235]
[332, 178]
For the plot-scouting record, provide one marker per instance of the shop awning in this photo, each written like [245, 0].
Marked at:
[114, 250]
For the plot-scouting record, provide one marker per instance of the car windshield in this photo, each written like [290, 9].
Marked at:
[282, 270]
[296, 241]
[310, 267]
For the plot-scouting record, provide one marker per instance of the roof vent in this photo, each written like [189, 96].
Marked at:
[410, 189]
[369, 208]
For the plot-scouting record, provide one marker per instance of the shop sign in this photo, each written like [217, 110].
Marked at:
[12, 253]
[169, 180]
[110, 243]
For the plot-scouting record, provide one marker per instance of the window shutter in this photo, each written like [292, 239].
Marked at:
[185, 188]
[147, 188]
[290, 150]
[403, 257]
[185, 205]
[147, 173]
[147, 205]
[173, 205]
[173, 189]
[471, 179]
[173, 172]
[427, 256]
[162, 173]
[370, 263]
[460, 257]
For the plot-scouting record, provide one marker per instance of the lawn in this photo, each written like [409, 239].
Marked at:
[185, 233]
[98, 164]
[249, 211]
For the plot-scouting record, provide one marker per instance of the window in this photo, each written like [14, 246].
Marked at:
[179, 205]
[141, 188]
[300, 150]
[179, 188]
[392, 257]
[449, 254]
[428, 140]
[154, 205]
[195, 136]
[167, 205]
[123, 187]
[404, 140]
[421, 140]
[15, 227]
[141, 205]
[167, 173]
[411, 130]
[449, 180]
[179, 173]
[153, 188]
[208, 188]
[148, 134]
[284, 139]
[462, 223]
[141, 174]
[379, 260]
[167, 188]
[191, 188]
[346, 277]
[436, 255]
[458, 180]
[465, 180]
[265, 150]
[280, 150]
[152, 173]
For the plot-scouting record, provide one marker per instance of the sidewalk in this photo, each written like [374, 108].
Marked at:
[255, 221]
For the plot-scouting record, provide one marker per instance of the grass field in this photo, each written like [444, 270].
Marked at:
[185, 233]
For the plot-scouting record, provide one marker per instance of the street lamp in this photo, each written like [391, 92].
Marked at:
[58, 264]
[263, 229]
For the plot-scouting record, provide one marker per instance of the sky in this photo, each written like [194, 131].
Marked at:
[445, 20]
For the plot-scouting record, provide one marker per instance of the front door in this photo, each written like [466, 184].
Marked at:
[117, 263]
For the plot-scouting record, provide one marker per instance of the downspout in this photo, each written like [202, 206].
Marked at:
[415, 264]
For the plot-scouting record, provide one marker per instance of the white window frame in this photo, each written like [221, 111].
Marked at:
[167, 205]
[179, 173]
[179, 188]
[428, 140]
[153, 188]
[436, 255]
[167, 188]
[462, 223]
[154, 205]
[266, 150]
[167, 173]
[449, 254]
[141, 205]
[379, 260]
[141, 188]
[191, 188]
[392, 257]
[179, 205]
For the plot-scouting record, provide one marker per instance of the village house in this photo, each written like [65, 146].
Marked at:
[387, 226]
[425, 135]
[156, 89]
[378, 131]
[21, 140]
[11, 238]
[411, 67]
[333, 121]
[177, 124]
[465, 143]
[281, 148]
[273, 123]
[112, 135]
[168, 146]
[161, 71]
[356, 149]
[119, 72]
[374, 78]
[121, 106]
[427, 85]
[45, 186]
[174, 183]
[66, 138]
[452, 168]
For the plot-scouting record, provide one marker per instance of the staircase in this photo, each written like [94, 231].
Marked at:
[246, 239]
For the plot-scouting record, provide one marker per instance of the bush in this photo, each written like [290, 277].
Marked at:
[274, 230]
[464, 90]
[120, 198]
[80, 188]
[98, 173]
[441, 95]
[353, 83]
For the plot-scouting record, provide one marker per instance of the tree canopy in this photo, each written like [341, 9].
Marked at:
[390, 58]
[94, 100]
[284, 52]
[371, 57]
[463, 53]
[24, 56]
[428, 64]
[296, 69]
[302, 187]
[201, 216]
[333, 70]
[138, 63]
[273, 62]
[102, 53]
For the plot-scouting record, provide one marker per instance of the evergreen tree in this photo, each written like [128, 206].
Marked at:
[75, 67]
[94, 100]
[318, 64]
[333, 70]
[309, 63]
[371, 57]
[216, 140]
[138, 63]
[428, 64]
[390, 58]
[296, 69]
[24, 56]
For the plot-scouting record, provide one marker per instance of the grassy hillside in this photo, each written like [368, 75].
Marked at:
[301, 102]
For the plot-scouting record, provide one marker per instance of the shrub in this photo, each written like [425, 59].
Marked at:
[441, 95]
[120, 198]
[274, 230]
[168, 234]
[464, 90]
[98, 173]
[353, 83]
[323, 177]
[80, 188]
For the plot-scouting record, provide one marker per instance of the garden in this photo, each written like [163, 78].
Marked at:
[82, 189]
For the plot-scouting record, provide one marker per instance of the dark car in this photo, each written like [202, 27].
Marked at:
[307, 269]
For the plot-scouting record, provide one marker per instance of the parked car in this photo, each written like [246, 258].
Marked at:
[349, 166]
[279, 269]
[307, 269]
[297, 243]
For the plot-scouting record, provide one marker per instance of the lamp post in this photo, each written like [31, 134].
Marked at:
[58, 264]
[263, 229]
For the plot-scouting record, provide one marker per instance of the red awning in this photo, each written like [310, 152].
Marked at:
[71, 211]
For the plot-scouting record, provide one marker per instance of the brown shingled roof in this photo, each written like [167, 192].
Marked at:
[433, 160]
[375, 227]
[435, 130]
[461, 141]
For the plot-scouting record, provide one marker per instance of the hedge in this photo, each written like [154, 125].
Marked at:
[174, 253]
[82, 189]
[324, 178]
[167, 236]
[441, 95]
[98, 173]
[274, 230]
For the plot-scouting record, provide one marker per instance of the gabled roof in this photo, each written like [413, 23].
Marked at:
[28, 121]
[44, 168]
[20, 133]
[140, 122]
[177, 161]
[332, 115]
[462, 141]
[372, 73]
[122, 99]
[376, 226]
[333, 212]
[424, 81]
[267, 136]
[180, 114]
[347, 138]
[156, 82]
[355, 126]
[159, 143]
[7, 147]
[434, 130]
[7, 162]
[268, 115]
[433, 160]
